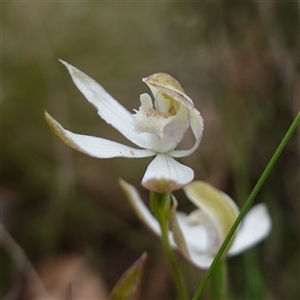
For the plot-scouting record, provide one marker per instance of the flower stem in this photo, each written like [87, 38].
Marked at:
[248, 203]
[160, 205]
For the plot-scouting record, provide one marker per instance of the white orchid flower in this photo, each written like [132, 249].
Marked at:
[156, 128]
[204, 229]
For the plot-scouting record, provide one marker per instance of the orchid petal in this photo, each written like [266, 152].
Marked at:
[195, 236]
[108, 108]
[94, 146]
[220, 209]
[197, 126]
[164, 174]
[175, 129]
[200, 259]
[139, 207]
[255, 226]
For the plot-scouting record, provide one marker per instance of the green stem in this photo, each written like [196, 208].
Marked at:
[248, 203]
[219, 281]
[160, 205]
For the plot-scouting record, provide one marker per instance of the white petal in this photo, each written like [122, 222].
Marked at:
[200, 259]
[255, 227]
[139, 207]
[197, 126]
[195, 236]
[94, 146]
[175, 129]
[108, 108]
[164, 174]
[217, 206]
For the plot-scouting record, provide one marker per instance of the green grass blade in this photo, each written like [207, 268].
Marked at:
[248, 203]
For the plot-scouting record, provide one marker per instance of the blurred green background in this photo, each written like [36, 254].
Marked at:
[238, 61]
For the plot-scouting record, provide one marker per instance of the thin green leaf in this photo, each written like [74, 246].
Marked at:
[248, 203]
